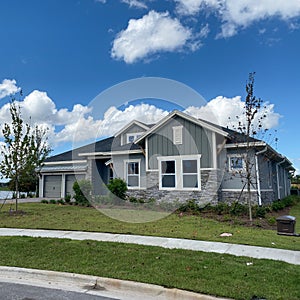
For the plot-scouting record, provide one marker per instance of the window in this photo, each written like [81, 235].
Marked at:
[133, 174]
[131, 137]
[236, 163]
[168, 174]
[189, 173]
[179, 172]
[177, 135]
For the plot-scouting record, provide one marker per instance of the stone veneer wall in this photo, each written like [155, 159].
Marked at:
[208, 193]
[229, 197]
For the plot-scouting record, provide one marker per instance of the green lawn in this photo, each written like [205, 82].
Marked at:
[209, 273]
[295, 211]
[65, 217]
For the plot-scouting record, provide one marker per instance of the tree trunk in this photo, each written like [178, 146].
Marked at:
[249, 200]
[17, 194]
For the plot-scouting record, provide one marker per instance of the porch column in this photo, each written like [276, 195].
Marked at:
[63, 186]
[41, 186]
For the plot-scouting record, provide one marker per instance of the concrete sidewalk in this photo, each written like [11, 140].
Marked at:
[289, 256]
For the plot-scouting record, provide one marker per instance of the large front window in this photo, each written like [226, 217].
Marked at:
[133, 174]
[179, 172]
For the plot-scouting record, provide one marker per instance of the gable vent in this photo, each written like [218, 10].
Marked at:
[177, 135]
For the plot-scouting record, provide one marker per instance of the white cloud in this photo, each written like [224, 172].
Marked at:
[8, 87]
[154, 32]
[204, 31]
[236, 14]
[224, 111]
[114, 119]
[135, 3]
[192, 7]
[77, 125]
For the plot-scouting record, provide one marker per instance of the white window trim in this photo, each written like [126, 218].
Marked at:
[177, 130]
[135, 134]
[126, 173]
[179, 172]
[233, 170]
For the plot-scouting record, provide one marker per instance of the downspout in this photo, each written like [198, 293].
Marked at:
[257, 174]
[278, 187]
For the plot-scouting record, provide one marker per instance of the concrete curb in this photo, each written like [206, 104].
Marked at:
[115, 288]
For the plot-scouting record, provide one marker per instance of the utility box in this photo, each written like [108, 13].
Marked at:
[286, 225]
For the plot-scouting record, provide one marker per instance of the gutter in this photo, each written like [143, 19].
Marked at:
[278, 187]
[257, 174]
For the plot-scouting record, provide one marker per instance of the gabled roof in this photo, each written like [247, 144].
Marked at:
[204, 124]
[134, 122]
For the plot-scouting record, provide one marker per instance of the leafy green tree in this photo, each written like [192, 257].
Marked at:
[23, 152]
[38, 151]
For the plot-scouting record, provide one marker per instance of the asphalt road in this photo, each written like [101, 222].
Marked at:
[13, 291]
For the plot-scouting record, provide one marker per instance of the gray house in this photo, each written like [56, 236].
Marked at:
[179, 158]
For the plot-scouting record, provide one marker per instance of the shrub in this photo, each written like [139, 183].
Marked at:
[277, 205]
[60, 201]
[190, 206]
[221, 208]
[136, 200]
[44, 201]
[68, 198]
[82, 189]
[52, 201]
[259, 211]
[289, 201]
[238, 209]
[271, 220]
[118, 187]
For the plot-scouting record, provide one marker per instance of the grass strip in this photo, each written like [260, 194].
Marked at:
[295, 211]
[209, 273]
[66, 217]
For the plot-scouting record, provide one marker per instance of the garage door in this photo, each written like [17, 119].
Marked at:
[52, 186]
[70, 179]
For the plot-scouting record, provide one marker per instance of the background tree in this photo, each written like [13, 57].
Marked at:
[38, 151]
[24, 150]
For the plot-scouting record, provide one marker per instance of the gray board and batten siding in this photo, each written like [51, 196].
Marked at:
[195, 140]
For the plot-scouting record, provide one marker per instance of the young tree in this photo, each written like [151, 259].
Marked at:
[24, 150]
[250, 125]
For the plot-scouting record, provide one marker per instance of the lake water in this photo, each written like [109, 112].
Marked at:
[6, 194]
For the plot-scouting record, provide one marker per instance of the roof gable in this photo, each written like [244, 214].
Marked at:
[206, 125]
[134, 122]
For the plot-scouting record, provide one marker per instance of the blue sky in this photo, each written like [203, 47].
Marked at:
[64, 53]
